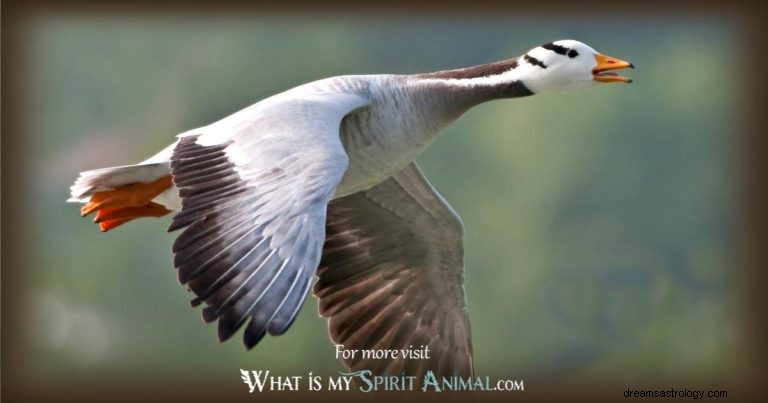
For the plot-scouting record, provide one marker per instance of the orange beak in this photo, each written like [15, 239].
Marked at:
[602, 72]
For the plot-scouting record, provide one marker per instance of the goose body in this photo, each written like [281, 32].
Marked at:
[320, 180]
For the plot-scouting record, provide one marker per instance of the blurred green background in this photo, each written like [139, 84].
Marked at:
[599, 224]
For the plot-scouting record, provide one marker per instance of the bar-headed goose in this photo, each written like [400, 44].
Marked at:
[324, 175]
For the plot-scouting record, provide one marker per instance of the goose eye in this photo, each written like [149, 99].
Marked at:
[572, 53]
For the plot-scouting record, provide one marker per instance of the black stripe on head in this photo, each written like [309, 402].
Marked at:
[560, 50]
[534, 61]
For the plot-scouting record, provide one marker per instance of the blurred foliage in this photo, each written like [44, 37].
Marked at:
[599, 224]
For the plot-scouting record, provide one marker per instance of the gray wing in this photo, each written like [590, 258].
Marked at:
[391, 277]
[254, 189]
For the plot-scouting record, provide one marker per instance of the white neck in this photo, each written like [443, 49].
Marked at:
[524, 73]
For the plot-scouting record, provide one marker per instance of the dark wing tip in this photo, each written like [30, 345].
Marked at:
[226, 330]
[253, 335]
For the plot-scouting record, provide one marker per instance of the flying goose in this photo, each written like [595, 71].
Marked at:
[320, 180]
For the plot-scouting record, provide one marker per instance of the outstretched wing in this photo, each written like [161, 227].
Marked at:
[254, 189]
[391, 277]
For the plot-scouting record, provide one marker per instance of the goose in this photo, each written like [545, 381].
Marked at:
[318, 185]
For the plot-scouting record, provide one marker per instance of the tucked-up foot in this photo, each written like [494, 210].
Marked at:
[116, 207]
[111, 218]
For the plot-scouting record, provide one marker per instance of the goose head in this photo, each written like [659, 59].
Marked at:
[567, 65]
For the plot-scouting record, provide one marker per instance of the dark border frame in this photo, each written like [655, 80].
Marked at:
[749, 74]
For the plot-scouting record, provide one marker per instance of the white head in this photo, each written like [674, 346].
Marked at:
[555, 66]
[566, 65]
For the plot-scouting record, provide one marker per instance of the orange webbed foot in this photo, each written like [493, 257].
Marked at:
[116, 207]
[111, 218]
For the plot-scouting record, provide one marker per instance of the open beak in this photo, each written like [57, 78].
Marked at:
[602, 72]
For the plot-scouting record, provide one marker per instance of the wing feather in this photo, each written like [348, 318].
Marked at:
[254, 189]
[391, 277]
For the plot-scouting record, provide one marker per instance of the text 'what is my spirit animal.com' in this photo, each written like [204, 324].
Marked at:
[262, 380]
